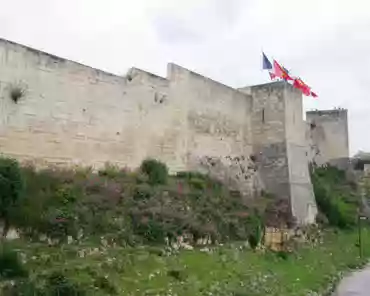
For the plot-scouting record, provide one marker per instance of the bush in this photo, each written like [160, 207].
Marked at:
[156, 171]
[198, 183]
[104, 284]
[284, 255]
[23, 287]
[152, 230]
[177, 274]
[255, 230]
[128, 209]
[10, 264]
[143, 192]
[11, 187]
[334, 197]
[61, 203]
[59, 284]
[110, 171]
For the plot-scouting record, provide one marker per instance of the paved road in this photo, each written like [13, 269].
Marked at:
[357, 284]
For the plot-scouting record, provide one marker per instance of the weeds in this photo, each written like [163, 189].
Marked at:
[16, 93]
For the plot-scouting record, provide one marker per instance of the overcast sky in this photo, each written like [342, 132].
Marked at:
[326, 42]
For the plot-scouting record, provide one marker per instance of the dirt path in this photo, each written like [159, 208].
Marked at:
[357, 284]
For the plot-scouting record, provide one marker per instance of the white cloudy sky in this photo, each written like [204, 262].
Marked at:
[326, 42]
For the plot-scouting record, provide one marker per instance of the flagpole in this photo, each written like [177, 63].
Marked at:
[262, 52]
[288, 73]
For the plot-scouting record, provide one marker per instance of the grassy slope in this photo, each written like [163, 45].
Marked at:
[99, 202]
[230, 270]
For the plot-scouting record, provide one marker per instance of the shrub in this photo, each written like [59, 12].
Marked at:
[197, 183]
[59, 203]
[177, 274]
[128, 209]
[59, 223]
[22, 288]
[334, 197]
[255, 230]
[104, 284]
[152, 230]
[11, 187]
[110, 171]
[143, 192]
[157, 251]
[59, 284]
[156, 171]
[10, 264]
[44, 193]
[284, 255]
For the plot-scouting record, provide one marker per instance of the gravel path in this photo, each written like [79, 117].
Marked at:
[357, 284]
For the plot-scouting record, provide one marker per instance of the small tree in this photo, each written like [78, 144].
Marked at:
[11, 187]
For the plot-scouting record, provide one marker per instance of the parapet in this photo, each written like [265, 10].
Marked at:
[323, 115]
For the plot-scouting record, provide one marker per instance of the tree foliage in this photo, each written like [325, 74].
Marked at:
[11, 188]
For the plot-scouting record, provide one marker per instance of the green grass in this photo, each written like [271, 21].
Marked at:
[228, 270]
[146, 207]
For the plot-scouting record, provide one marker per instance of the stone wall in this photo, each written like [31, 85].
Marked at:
[73, 114]
[239, 172]
[268, 132]
[219, 129]
[70, 114]
[327, 135]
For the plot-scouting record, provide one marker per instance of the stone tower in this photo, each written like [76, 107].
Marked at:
[279, 142]
[327, 135]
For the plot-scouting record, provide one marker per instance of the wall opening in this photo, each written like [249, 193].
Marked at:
[263, 115]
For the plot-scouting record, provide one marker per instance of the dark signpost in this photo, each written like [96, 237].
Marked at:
[361, 217]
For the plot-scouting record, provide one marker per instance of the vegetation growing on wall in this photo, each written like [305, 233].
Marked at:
[16, 92]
